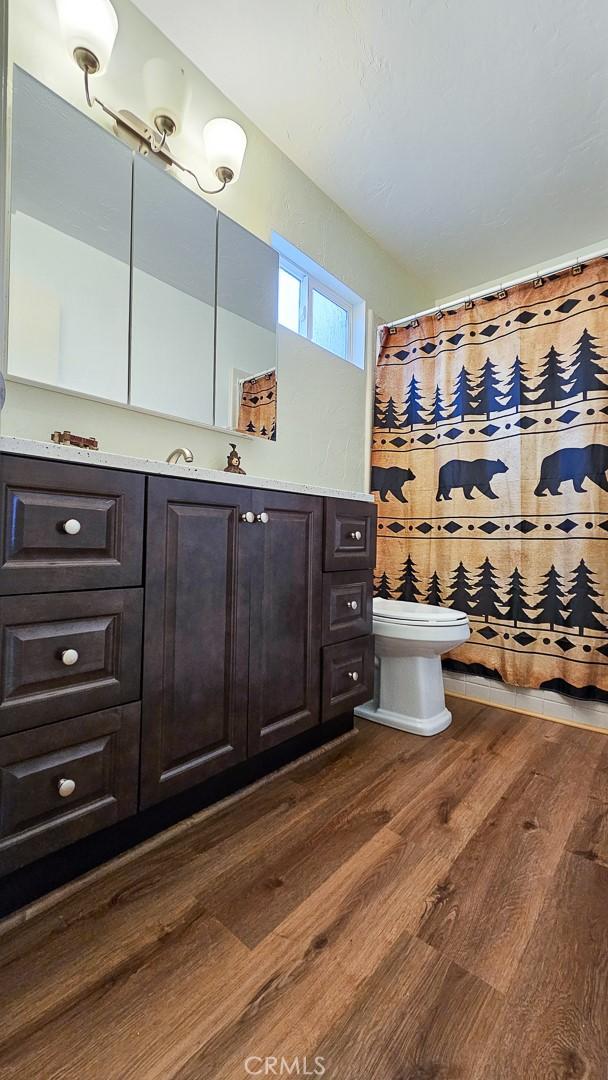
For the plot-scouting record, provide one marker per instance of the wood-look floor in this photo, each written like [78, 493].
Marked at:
[404, 909]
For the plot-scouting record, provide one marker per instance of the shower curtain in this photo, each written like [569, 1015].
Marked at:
[490, 466]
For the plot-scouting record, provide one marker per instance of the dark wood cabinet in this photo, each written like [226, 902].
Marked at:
[347, 605]
[350, 535]
[286, 594]
[194, 715]
[66, 780]
[348, 676]
[232, 628]
[66, 654]
[242, 633]
[65, 527]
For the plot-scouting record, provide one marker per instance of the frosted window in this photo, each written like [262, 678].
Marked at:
[289, 300]
[329, 324]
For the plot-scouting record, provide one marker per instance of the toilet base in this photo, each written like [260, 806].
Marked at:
[429, 725]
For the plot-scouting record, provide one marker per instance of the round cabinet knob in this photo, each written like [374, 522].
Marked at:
[69, 657]
[71, 526]
[354, 675]
[352, 604]
[249, 517]
[65, 788]
[263, 518]
[356, 535]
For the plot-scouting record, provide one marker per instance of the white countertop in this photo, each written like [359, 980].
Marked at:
[32, 448]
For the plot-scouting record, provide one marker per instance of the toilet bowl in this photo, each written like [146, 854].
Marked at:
[410, 640]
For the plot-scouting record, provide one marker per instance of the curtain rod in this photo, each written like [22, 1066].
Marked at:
[547, 272]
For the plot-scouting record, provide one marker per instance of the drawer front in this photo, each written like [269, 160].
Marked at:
[350, 535]
[348, 676]
[68, 527]
[64, 781]
[68, 653]
[347, 605]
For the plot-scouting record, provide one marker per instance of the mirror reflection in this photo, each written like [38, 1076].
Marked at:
[246, 368]
[69, 247]
[173, 296]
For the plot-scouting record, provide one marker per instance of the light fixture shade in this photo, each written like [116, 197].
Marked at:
[166, 89]
[225, 143]
[89, 24]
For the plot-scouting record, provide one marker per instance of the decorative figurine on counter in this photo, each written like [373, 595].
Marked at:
[234, 461]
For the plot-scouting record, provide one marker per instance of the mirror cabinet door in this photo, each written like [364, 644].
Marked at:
[69, 247]
[173, 296]
[246, 332]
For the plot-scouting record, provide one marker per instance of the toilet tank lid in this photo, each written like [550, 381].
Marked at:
[403, 611]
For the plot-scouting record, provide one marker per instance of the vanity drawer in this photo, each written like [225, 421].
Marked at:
[65, 654]
[68, 526]
[347, 605]
[348, 676]
[94, 759]
[350, 535]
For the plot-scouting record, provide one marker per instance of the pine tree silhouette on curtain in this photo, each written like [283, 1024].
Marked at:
[437, 411]
[391, 416]
[517, 391]
[553, 379]
[408, 582]
[251, 426]
[585, 369]
[379, 416]
[433, 595]
[486, 598]
[412, 413]
[464, 396]
[552, 600]
[383, 588]
[489, 390]
[583, 608]
[517, 600]
[461, 595]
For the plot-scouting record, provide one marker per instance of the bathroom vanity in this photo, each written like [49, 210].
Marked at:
[162, 626]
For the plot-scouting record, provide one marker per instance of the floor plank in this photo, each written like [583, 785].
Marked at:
[556, 1020]
[404, 907]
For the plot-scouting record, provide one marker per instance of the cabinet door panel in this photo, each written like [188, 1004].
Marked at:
[286, 591]
[196, 635]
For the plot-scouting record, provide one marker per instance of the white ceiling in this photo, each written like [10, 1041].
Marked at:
[468, 137]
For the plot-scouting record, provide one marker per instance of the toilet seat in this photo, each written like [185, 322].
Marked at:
[402, 612]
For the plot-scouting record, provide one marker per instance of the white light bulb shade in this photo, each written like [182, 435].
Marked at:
[225, 143]
[166, 89]
[89, 24]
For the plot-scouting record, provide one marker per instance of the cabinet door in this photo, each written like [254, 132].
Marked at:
[194, 710]
[286, 591]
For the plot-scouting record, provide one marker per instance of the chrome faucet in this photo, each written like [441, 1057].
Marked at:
[181, 452]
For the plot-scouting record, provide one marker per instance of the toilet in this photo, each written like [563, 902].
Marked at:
[410, 640]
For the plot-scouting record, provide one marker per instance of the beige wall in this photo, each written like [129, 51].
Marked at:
[323, 401]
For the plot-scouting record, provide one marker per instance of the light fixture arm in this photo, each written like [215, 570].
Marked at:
[164, 126]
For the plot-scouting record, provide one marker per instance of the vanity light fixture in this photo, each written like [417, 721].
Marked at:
[90, 28]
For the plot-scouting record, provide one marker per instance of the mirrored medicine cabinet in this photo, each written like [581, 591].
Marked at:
[125, 285]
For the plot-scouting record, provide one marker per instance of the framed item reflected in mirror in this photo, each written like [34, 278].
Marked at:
[257, 405]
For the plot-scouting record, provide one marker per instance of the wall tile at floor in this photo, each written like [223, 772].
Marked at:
[544, 702]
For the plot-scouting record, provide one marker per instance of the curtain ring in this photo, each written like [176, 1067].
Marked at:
[577, 268]
[538, 281]
[468, 304]
[502, 293]
[439, 314]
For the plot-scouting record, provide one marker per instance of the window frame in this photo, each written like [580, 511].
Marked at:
[333, 290]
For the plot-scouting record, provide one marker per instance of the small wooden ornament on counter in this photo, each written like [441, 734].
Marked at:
[66, 438]
[234, 461]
